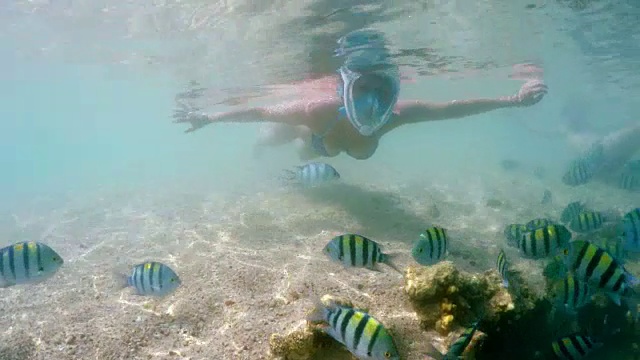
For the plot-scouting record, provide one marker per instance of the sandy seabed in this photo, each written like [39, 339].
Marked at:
[248, 263]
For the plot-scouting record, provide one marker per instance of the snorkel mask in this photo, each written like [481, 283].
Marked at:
[370, 81]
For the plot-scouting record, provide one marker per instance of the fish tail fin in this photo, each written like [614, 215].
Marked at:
[505, 283]
[287, 176]
[317, 313]
[388, 259]
[120, 279]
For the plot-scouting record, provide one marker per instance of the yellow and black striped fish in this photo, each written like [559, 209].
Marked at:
[513, 232]
[573, 347]
[537, 224]
[600, 269]
[153, 279]
[503, 268]
[357, 251]
[359, 332]
[587, 221]
[544, 242]
[571, 293]
[27, 262]
[572, 210]
[629, 181]
[579, 172]
[431, 247]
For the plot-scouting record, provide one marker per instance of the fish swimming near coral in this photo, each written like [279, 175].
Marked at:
[600, 269]
[573, 347]
[503, 268]
[363, 335]
[458, 347]
[152, 278]
[312, 174]
[571, 293]
[354, 250]
[544, 242]
[27, 262]
[513, 232]
[431, 247]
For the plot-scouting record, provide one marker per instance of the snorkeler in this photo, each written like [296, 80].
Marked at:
[326, 122]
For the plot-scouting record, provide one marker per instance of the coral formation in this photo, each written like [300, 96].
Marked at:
[309, 342]
[443, 296]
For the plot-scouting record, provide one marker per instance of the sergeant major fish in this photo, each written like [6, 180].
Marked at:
[571, 293]
[631, 230]
[152, 278]
[27, 263]
[587, 221]
[431, 247]
[544, 242]
[573, 347]
[571, 211]
[354, 250]
[359, 332]
[312, 174]
[538, 224]
[503, 268]
[513, 232]
[593, 264]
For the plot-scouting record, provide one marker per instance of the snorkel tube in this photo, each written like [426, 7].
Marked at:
[369, 81]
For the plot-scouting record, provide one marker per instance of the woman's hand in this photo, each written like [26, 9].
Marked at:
[530, 93]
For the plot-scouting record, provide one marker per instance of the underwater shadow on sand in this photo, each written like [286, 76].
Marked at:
[380, 213]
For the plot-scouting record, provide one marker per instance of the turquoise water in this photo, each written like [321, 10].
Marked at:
[92, 162]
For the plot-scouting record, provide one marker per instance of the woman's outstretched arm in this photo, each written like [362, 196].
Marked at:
[293, 113]
[418, 111]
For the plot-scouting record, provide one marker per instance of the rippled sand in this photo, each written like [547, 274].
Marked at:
[248, 263]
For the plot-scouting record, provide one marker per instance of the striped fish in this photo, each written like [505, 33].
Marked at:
[312, 174]
[600, 269]
[579, 172]
[354, 250]
[629, 181]
[363, 335]
[536, 224]
[513, 233]
[431, 247]
[587, 221]
[544, 242]
[572, 211]
[27, 262]
[503, 268]
[571, 293]
[459, 346]
[613, 245]
[152, 278]
[631, 230]
[573, 347]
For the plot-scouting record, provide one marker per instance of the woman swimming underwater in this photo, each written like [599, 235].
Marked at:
[327, 122]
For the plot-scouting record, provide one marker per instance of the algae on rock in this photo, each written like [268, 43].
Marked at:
[443, 296]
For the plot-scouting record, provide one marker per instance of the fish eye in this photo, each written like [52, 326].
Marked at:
[566, 251]
[41, 269]
[420, 250]
[387, 354]
[173, 280]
